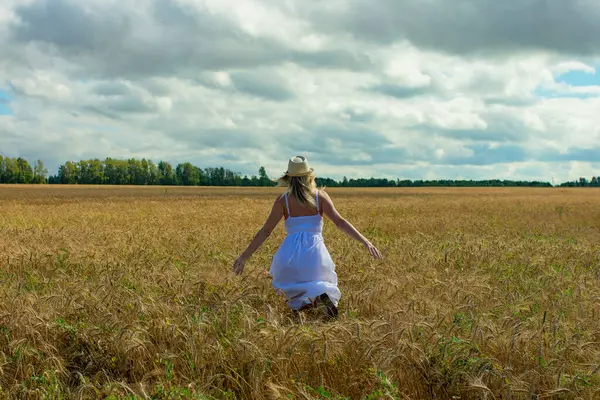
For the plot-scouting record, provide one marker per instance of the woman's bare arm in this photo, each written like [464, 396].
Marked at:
[345, 226]
[260, 237]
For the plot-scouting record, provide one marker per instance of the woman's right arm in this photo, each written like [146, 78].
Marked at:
[345, 226]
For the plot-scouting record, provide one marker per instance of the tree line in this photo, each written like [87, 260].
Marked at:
[145, 172]
[583, 182]
[18, 170]
[378, 182]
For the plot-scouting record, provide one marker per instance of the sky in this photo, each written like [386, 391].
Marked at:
[409, 89]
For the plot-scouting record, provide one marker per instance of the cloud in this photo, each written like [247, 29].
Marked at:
[399, 92]
[262, 84]
[498, 124]
[481, 154]
[111, 88]
[572, 154]
[573, 66]
[70, 28]
[467, 27]
[158, 38]
[420, 89]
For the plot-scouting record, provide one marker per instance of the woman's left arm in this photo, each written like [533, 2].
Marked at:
[260, 237]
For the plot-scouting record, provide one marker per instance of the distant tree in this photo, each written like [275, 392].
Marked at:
[67, 173]
[40, 173]
[25, 172]
[166, 174]
[84, 177]
[96, 171]
[237, 179]
[9, 170]
[11, 173]
[117, 172]
[219, 176]
[91, 172]
[153, 173]
[144, 172]
[136, 173]
[263, 178]
[187, 174]
[2, 169]
[110, 172]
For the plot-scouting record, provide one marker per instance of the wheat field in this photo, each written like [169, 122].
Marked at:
[123, 293]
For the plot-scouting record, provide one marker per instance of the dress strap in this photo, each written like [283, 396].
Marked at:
[287, 204]
[318, 211]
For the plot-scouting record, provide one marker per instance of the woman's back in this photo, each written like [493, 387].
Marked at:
[304, 220]
[293, 208]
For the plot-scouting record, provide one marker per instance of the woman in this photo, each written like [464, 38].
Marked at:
[302, 268]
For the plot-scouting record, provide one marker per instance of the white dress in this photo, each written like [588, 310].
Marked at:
[302, 268]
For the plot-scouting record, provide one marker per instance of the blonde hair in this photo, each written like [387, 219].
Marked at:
[300, 187]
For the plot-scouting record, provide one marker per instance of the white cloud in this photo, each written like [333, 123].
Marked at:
[243, 84]
[43, 85]
[570, 66]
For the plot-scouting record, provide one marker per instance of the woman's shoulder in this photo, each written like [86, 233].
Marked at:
[322, 193]
[280, 198]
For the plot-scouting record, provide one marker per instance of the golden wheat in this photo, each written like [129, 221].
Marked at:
[114, 292]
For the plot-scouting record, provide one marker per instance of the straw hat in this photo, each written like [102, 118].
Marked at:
[298, 166]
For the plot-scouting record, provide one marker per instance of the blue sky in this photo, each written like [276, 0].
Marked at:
[572, 84]
[393, 88]
[4, 103]
[551, 94]
[580, 78]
